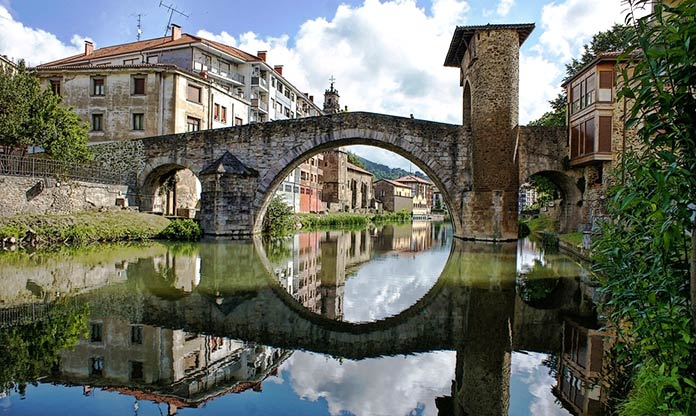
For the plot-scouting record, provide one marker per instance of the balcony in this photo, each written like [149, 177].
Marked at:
[236, 77]
[259, 82]
[261, 105]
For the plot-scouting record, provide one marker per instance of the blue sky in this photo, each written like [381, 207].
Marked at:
[386, 56]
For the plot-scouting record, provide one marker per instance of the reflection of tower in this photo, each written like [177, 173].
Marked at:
[331, 96]
[333, 274]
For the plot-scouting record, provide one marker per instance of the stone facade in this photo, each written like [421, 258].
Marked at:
[26, 195]
[394, 196]
[488, 59]
[275, 149]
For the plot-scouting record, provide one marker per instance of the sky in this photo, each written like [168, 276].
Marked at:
[386, 55]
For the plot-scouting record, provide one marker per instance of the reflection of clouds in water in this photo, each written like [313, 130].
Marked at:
[528, 369]
[391, 284]
[381, 386]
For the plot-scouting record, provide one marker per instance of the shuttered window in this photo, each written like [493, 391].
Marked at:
[604, 134]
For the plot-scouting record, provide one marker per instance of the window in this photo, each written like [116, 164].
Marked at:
[216, 112]
[136, 334]
[273, 82]
[193, 93]
[133, 61]
[96, 366]
[97, 122]
[55, 86]
[139, 85]
[223, 114]
[193, 124]
[95, 332]
[589, 91]
[98, 86]
[153, 59]
[136, 370]
[606, 82]
[288, 188]
[604, 134]
[238, 121]
[138, 121]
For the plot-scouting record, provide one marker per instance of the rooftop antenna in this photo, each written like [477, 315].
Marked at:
[172, 9]
[140, 26]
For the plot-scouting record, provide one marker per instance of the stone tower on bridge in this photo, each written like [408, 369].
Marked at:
[488, 60]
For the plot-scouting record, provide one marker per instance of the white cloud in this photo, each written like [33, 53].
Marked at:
[528, 369]
[384, 386]
[36, 46]
[504, 7]
[570, 24]
[539, 83]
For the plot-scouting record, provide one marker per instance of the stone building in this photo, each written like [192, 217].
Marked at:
[346, 187]
[173, 84]
[359, 182]
[394, 196]
[422, 191]
[596, 134]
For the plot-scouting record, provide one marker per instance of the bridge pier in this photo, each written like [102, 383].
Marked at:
[227, 197]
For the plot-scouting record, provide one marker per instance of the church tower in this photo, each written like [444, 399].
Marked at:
[331, 96]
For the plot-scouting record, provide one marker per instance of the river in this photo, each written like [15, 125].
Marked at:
[392, 320]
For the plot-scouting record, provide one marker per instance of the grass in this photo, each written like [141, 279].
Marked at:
[574, 239]
[349, 219]
[83, 227]
[540, 223]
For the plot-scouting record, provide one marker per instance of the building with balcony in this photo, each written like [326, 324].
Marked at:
[174, 84]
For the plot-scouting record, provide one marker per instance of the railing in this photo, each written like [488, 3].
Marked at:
[24, 314]
[259, 81]
[43, 168]
[255, 102]
[236, 76]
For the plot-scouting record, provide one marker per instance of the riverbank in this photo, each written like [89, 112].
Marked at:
[348, 219]
[79, 228]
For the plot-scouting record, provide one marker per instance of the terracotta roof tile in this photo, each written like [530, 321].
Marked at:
[413, 178]
[358, 169]
[149, 45]
[394, 183]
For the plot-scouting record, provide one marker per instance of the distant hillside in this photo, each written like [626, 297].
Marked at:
[383, 171]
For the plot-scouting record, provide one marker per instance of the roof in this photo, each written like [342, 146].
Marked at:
[359, 169]
[149, 45]
[463, 34]
[601, 57]
[394, 183]
[92, 68]
[229, 164]
[413, 178]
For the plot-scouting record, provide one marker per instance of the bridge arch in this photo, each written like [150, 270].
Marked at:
[568, 211]
[407, 147]
[164, 187]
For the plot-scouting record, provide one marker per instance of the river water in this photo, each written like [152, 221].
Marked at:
[393, 320]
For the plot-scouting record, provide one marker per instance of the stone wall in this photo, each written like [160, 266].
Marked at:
[26, 195]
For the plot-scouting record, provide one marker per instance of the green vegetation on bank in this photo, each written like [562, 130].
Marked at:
[182, 230]
[81, 227]
[32, 116]
[646, 254]
[280, 220]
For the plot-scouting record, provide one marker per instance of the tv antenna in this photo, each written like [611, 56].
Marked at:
[140, 26]
[172, 9]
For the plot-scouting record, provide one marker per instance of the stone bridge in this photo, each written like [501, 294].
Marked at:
[473, 164]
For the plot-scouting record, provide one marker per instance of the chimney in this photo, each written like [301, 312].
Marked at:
[279, 69]
[176, 31]
[262, 55]
[311, 98]
[89, 48]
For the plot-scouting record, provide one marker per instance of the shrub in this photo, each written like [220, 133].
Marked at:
[279, 218]
[183, 230]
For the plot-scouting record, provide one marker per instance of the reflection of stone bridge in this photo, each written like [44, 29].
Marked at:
[238, 298]
[474, 165]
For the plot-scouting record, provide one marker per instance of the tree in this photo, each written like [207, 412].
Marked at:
[616, 39]
[646, 253]
[32, 117]
[354, 159]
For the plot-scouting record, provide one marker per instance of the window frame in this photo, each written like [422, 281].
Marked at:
[138, 121]
[136, 79]
[97, 126]
[199, 90]
[97, 86]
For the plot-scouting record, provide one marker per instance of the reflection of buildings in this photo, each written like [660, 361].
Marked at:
[408, 238]
[164, 365]
[316, 273]
[578, 381]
